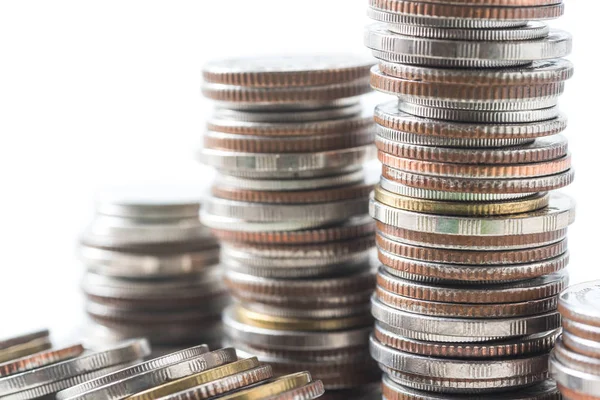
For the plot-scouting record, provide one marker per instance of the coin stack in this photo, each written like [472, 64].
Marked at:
[118, 373]
[152, 269]
[290, 206]
[471, 240]
[575, 360]
[41, 372]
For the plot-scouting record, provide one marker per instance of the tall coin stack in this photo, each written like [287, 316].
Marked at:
[469, 231]
[290, 206]
[152, 269]
[575, 360]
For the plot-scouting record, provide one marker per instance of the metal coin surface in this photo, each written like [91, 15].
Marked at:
[580, 303]
[25, 349]
[39, 360]
[579, 382]
[273, 388]
[24, 338]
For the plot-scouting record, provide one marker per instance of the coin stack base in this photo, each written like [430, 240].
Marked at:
[470, 233]
[152, 269]
[290, 205]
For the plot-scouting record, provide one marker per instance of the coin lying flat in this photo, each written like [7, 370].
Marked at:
[24, 349]
[580, 383]
[276, 387]
[39, 360]
[579, 303]
[6, 343]
[307, 392]
[352, 109]
[531, 30]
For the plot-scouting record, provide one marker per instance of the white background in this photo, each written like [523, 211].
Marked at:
[95, 93]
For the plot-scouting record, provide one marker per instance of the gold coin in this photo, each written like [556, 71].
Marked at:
[274, 388]
[24, 349]
[197, 379]
[300, 324]
[526, 204]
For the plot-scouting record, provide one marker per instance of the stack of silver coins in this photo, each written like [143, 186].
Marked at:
[118, 372]
[290, 206]
[152, 268]
[575, 360]
[470, 232]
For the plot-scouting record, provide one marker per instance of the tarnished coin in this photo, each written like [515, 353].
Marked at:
[435, 272]
[526, 204]
[469, 11]
[343, 306]
[428, 328]
[546, 390]
[198, 379]
[351, 228]
[120, 354]
[389, 116]
[500, 3]
[580, 303]
[532, 344]
[286, 71]
[39, 360]
[6, 343]
[533, 289]
[134, 381]
[542, 149]
[482, 185]
[273, 388]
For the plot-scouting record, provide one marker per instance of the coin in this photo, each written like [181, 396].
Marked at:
[24, 349]
[276, 387]
[351, 109]
[579, 303]
[39, 360]
[310, 391]
[6, 343]
[581, 383]
[327, 182]
[531, 30]
[579, 362]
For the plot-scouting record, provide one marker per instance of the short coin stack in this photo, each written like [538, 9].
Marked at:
[152, 268]
[471, 241]
[290, 206]
[46, 372]
[575, 360]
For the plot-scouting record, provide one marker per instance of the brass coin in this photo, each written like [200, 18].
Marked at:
[196, 379]
[470, 242]
[352, 228]
[519, 256]
[280, 323]
[475, 171]
[462, 310]
[310, 391]
[273, 388]
[22, 339]
[25, 349]
[292, 197]
[522, 205]
[40, 359]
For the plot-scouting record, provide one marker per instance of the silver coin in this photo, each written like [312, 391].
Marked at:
[316, 214]
[444, 62]
[473, 329]
[288, 165]
[207, 312]
[279, 339]
[557, 44]
[119, 354]
[289, 184]
[558, 215]
[580, 302]
[410, 191]
[126, 373]
[150, 202]
[581, 382]
[307, 269]
[531, 31]
[389, 114]
[574, 360]
[133, 265]
[127, 382]
[391, 135]
[403, 19]
[320, 313]
[309, 391]
[580, 345]
[551, 100]
[224, 385]
[351, 110]
[454, 369]
[488, 117]
[546, 390]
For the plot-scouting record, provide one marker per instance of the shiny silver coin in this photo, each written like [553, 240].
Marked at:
[581, 383]
[588, 347]
[531, 31]
[351, 178]
[391, 135]
[320, 313]
[127, 382]
[290, 116]
[120, 354]
[580, 303]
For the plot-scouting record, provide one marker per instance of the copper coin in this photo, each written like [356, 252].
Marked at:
[533, 344]
[292, 197]
[330, 249]
[284, 129]
[388, 116]
[288, 144]
[422, 271]
[439, 10]
[542, 149]
[351, 228]
[500, 3]
[519, 256]
[38, 360]
[469, 185]
[470, 242]
[533, 289]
